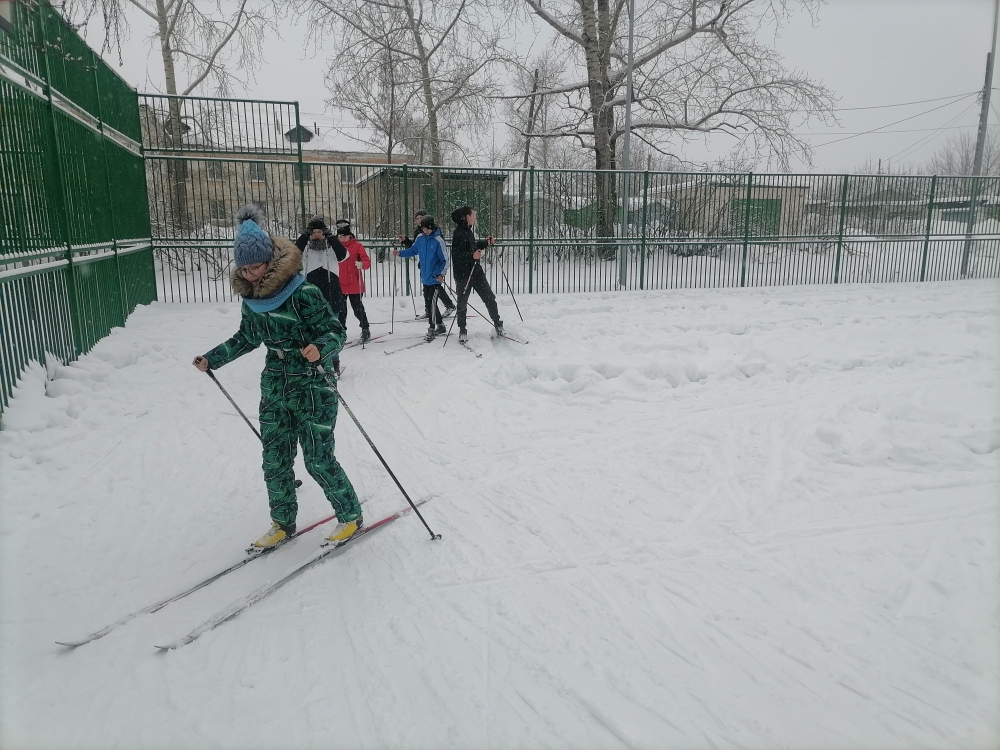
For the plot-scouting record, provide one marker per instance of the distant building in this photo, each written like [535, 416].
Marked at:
[716, 205]
[220, 173]
[387, 202]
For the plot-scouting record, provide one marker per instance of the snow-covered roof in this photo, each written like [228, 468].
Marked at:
[769, 181]
[331, 134]
[578, 202]
[463, 173]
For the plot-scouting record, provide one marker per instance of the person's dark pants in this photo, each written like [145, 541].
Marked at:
[431, 295]
[482, 287]
[359, 309]
[329, 284]
[443, 296]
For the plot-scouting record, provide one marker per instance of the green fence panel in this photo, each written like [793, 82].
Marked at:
[75, 256]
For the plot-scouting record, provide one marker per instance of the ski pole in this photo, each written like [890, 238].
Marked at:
[235, 406]
[298, 482]
[333, 385]
[392, 318]
[469, 305]
[458, 301]
[516, 306]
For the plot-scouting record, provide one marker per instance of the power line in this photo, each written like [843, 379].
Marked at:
[913, 130]
[914, 147]
[889, 125]
[901, 104]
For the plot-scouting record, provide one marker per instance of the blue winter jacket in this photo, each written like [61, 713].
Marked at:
[433, 259]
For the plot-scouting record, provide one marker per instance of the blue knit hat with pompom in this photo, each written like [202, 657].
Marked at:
[252, 245]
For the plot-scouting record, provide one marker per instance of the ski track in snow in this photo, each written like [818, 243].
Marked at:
[719, 518]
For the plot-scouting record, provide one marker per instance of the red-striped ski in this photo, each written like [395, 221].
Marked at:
[202, 584]
[241, 605]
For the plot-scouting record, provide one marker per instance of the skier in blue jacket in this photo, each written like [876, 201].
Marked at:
[430, 248]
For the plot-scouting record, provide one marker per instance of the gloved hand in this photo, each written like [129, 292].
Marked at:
[359, 265]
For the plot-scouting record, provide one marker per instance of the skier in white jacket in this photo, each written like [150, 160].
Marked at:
[321, 256]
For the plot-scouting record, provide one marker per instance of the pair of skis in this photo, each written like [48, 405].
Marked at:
[242, 604]
[463, 344]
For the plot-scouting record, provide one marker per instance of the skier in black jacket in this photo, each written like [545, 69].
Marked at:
[406, 242]
[466, 251]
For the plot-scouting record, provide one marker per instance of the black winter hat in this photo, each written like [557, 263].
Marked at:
[459, 214]
[316, 222]
[428, 222]
[419, 212]
[344, 229]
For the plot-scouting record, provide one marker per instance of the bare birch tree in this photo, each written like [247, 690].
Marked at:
[442, 54]
[378, 88]
[958, 153]
[205, 40]
[698, 70]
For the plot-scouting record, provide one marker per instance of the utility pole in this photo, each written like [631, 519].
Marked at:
[626, 148]
[977, 164]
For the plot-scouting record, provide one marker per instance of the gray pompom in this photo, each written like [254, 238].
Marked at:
[250, 211]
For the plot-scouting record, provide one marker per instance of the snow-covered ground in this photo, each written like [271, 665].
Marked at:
[720, 518]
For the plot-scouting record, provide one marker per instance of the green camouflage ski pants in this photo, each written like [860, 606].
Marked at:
[301, 409]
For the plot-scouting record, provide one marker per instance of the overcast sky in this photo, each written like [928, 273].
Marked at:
[871, 53]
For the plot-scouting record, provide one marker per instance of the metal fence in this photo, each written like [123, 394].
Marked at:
[557, 230]
[75, 254]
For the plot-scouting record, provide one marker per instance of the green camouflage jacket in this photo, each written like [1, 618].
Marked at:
[304, 318]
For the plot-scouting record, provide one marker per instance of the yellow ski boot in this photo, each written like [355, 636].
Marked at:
[344, 531]
[272, 538]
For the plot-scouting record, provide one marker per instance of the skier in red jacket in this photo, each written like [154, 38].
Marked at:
[352, 282]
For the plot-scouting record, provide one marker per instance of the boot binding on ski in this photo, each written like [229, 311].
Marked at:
[344, 531]
[276, 535]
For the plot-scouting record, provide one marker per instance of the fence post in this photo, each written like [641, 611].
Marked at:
[59, 193]
[531, 229]
[626, 187]
[299, 175]
[746, 230]
[406, 200]
[645, 218]
[406, 218]
[927, 229]
[840, 230]
[107, 190]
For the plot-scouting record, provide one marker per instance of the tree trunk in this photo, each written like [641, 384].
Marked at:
[603, 119]
[527, 154]
[176, 169]
[436, 205]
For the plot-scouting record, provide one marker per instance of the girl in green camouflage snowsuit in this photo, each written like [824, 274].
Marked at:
[297, 402]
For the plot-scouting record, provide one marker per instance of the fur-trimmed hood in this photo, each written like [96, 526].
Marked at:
[284, 264]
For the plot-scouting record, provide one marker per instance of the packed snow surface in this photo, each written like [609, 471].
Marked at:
[720, 518]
